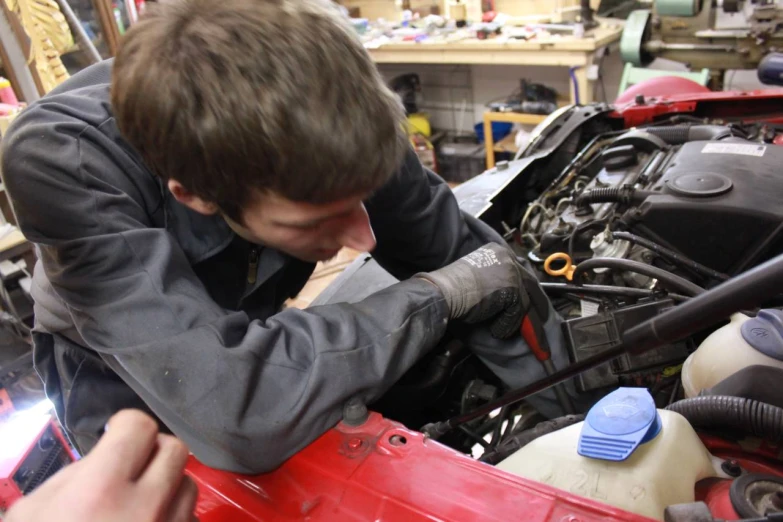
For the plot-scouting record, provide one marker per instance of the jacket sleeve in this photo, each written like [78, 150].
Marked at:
[418, 224]
[244, 395]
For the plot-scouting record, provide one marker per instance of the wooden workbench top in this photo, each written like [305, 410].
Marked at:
[592, 40]
[11, 240]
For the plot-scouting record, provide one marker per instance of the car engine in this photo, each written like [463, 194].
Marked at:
[649, 216]
[704, 191]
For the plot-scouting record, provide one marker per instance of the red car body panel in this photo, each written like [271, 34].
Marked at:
[383, 471]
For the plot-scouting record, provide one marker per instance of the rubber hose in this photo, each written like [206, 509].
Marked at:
[625, 195]
[524, 438]
[679, 134]
[672, 280]
[737, 413]
[671, 255]
[673, 135]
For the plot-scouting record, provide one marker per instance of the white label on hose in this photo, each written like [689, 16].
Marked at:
[734, 148]
[588, 308]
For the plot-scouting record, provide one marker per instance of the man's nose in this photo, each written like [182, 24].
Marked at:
[358, 233]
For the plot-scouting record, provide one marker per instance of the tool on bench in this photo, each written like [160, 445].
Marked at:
[746, 291]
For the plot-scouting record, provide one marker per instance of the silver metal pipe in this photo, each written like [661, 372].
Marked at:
[78, 32]
[18, 61]
[658, 46]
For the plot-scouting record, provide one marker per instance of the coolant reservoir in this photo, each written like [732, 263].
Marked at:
[626, 454]
[743, 342]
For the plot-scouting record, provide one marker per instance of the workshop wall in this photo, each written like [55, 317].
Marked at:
[456, 96]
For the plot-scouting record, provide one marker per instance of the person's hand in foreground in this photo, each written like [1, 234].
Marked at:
[133, 474]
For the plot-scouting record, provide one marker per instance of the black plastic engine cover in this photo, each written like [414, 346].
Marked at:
[720, 203]
[589, 336]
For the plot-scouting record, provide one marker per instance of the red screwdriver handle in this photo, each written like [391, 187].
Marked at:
[534, 338]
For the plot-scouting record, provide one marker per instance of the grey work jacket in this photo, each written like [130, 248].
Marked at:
[141, 302]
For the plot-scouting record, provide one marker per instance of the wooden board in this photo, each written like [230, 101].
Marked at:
[13, 239]
[507, 144]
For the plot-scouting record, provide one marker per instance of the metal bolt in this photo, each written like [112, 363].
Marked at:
[355, 412]
[501, 165]
[731, 468]
[355, 444]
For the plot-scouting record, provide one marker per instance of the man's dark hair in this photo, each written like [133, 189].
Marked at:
[230, 97]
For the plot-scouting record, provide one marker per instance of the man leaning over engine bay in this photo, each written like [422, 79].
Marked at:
[180, 194]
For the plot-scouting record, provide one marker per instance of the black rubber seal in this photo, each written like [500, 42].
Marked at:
[739, 488]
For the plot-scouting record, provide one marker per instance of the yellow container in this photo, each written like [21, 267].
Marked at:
[419, 123]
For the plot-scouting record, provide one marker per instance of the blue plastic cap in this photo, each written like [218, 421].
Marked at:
[765, 333]
[618, 424]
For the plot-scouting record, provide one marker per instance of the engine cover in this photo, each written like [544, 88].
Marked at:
[720, 203]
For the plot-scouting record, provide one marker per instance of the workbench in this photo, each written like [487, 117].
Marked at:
[555, 51]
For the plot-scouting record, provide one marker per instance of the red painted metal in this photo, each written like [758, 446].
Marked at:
[715, 493]
[752, 456]
[663, 86]
[383, 471]
[766, 105]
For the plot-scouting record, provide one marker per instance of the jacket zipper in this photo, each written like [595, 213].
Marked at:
[252, 266]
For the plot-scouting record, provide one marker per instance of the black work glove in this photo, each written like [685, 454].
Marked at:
[486, 284]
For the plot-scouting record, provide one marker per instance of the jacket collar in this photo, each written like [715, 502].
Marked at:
[199, 236]
[202, 237]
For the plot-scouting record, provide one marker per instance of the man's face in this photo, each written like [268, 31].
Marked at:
[307, 231]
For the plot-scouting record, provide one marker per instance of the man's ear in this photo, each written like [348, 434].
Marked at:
[190, 200]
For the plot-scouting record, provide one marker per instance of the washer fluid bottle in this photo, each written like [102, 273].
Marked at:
[744, 342]
[626, 454]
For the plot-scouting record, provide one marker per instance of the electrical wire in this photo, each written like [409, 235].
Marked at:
[575, 83]
[474, 436]
[671, 255]
[672, 280]
[675, 389]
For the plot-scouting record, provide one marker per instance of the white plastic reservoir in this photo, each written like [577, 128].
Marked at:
[642, 478]
[741, 343]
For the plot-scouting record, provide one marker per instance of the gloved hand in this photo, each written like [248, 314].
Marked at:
[486, 284]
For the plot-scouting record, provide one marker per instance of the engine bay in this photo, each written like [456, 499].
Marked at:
[620, 223]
